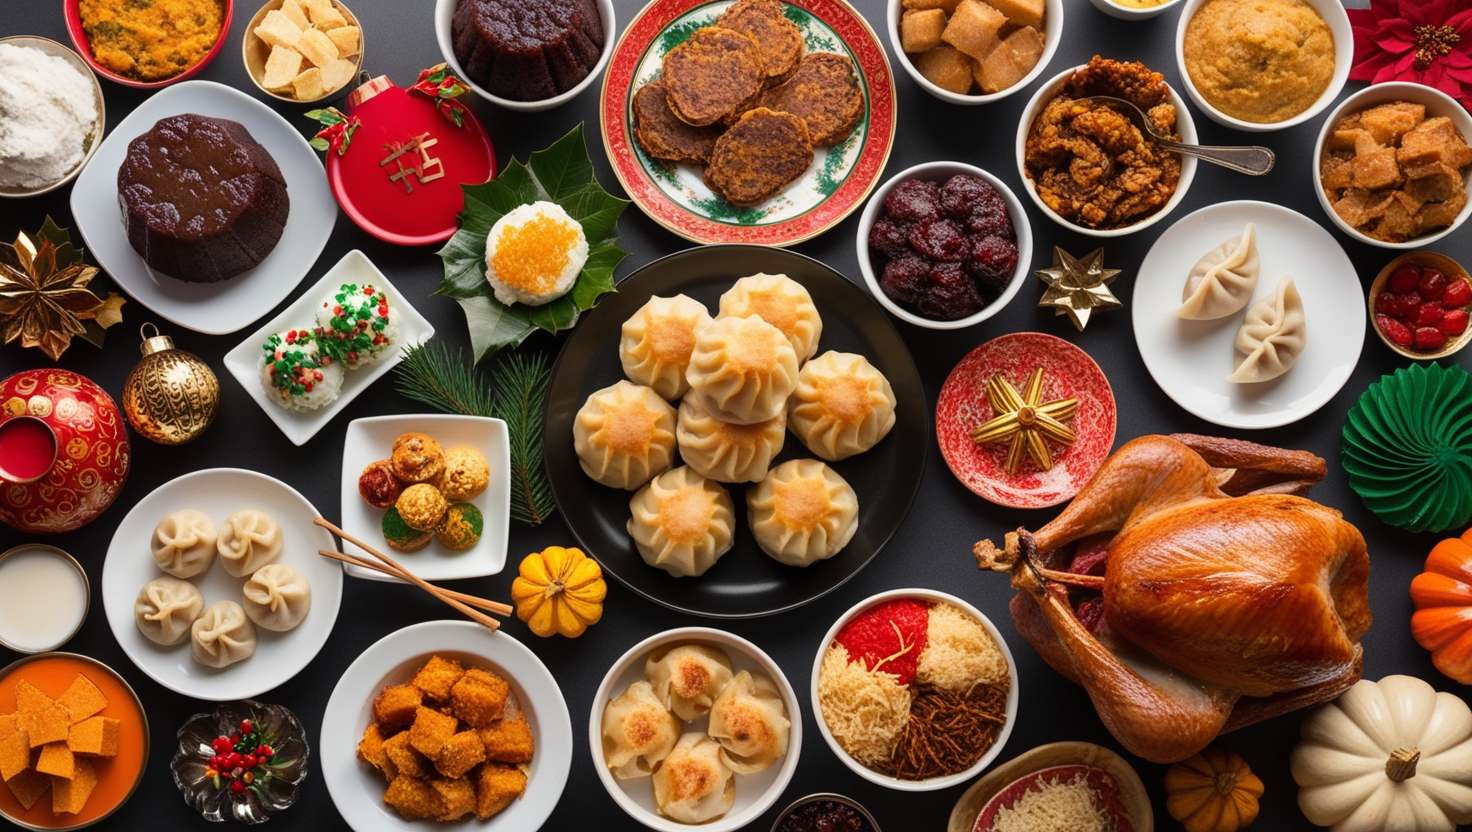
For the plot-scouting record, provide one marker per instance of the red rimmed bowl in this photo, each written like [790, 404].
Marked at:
[72, 12]
[1067, 372]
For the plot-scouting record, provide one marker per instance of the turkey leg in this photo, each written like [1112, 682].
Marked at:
[1250, 468]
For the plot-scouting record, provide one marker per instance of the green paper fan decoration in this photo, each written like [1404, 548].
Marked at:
[1407, 446]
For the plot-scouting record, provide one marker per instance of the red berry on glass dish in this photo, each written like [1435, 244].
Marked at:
[1420, 304]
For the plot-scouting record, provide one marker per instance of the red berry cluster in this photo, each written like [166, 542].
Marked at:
[239, 759]
[1421, 308]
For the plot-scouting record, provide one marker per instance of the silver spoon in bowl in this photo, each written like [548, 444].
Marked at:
[1253, 160]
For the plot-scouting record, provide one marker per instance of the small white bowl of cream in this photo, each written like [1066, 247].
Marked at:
[46, 598]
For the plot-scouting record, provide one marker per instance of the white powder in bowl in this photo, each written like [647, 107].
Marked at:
[47, 114]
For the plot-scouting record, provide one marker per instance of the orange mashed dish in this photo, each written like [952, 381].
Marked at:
[151, 40]
[1262, 61]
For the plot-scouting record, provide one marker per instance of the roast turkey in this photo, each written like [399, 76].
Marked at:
[1225, 597]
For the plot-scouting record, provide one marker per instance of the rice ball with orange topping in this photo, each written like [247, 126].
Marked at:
[534, 254]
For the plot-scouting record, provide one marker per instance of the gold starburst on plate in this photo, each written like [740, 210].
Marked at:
[44, 296]
[1078, 285]
[1025, 421]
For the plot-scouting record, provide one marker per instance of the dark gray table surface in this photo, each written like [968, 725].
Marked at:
[932, 549]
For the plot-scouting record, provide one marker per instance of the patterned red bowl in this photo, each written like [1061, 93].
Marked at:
[1067, 372]
[71, 10]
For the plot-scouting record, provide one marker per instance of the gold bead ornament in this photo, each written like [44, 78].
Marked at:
[171, 396]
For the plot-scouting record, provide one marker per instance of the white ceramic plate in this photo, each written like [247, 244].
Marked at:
[357, 790]
[226, 306]
[218, 492]
[243, 361]
[1191, 360]
[371, 439]
[755, 793]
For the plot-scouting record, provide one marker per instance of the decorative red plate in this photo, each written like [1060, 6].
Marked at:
[1067, 372]
[676, 196]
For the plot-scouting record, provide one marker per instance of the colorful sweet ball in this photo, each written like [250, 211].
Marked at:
[466, 473]
[462, 527]
[356, 324]
[296, 373]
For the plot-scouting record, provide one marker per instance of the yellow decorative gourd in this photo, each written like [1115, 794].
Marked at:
[1214, 791]
[558, 591]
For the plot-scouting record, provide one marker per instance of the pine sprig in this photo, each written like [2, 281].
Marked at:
[516, 393]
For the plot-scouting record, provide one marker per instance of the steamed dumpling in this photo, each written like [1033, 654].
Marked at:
[688, 678]
[725, 452]
[743, 369]
[692, 785]
[624, 434]
[802, 512]
[1272, 336]
[1223, 280]
[277, 597]
[249, 540]
[682, 522]
[165, 608]
[184, 543]
[780, 301]
[638, 732]
[222, 635]
[842, 405]
[655, 344]
[750, 722]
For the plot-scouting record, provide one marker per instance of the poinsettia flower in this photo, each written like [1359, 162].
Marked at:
[1423, 41]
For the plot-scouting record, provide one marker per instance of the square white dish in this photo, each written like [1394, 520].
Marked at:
[229, 305]
[243, 361]
[370, 439]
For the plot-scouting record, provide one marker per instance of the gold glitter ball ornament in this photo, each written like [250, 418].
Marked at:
[1078, 285]
[172, 395]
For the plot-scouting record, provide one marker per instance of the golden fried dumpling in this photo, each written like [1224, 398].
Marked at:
[624, 434]
[742, 368]
[693, 785]
[725, 452]
[656, 341]
[750, 722]
[842, 405]
[638, 732]
[687, 678]
[682, 522]
[780, 301]
[802, 512]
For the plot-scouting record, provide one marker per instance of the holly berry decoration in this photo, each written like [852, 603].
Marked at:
[1423, 305]
[241, 760]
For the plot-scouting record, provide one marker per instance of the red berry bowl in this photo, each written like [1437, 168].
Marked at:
[72, 12]
[1420, 303]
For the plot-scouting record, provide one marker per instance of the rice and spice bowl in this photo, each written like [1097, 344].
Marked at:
[534, 254]
[914, 689]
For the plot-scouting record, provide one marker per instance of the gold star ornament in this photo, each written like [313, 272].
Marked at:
[44, 299]
[1024, 421]
[1078, 285]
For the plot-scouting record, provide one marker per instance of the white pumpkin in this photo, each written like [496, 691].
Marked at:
[1387, 756]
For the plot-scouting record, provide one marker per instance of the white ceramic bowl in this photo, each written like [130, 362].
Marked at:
[1052, 34]
[941, 171]
[444, 11]
[934, 783]
[357, 790]
[1184, 126]
[1333, 13]
[1129, 13]
[56, 49]
[755, 793]
[1437, 103]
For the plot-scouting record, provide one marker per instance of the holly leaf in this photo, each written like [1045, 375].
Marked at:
[561, 173]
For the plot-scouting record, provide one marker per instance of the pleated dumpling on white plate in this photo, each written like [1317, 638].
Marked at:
[725, 452]
[1222, 281]
[743, 369]
[250, 539]
[184, 543]
[277, 597]
[624, 434]
[750, 722]
[688, 678]
[842, 405]
[682, 522]
[165, 608]
[803, 512]
[655, 343]
[1272, 336]
[222, 635]
[780, 301]
[693, 785]
[638, 732]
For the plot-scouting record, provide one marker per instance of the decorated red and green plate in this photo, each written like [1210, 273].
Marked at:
[675, 195]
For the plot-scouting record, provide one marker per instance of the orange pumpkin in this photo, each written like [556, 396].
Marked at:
[1442, 594]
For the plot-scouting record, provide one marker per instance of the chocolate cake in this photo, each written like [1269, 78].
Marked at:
[527, 50]
[202, 200]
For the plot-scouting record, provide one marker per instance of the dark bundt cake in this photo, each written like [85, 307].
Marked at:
[527, 50]
[202, 201]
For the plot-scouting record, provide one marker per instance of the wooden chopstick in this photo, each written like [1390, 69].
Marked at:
[469, 612]
[473, 600]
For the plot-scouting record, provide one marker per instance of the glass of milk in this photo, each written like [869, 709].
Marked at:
[44, 597]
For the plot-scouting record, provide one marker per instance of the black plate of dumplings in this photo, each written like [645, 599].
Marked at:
[745, 582]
